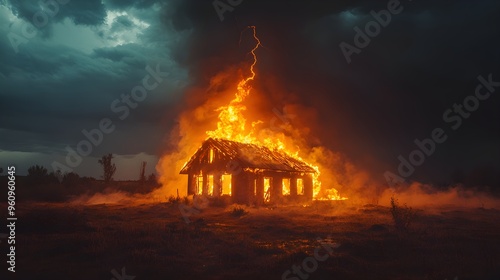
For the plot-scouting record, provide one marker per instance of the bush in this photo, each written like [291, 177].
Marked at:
[38, 175]
[238, 211]
[174, 200]
[70, 179]
[402, 215]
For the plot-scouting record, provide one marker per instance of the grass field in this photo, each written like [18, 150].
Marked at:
[153, 241]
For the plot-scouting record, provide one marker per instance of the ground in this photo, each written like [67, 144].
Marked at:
[154, 241]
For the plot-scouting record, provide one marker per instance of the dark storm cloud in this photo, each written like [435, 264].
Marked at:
[91, 12]
[52, 88]
[123, 21]
[61, 95]
[122, 4]
[120, 54]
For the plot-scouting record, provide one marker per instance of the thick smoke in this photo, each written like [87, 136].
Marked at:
[352, 120]
[272, 114]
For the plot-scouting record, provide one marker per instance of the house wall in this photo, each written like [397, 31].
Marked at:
[217, 184]
[205, 184]
[242, 187]
[276, 188]
[246, 187]
[191, 187]
[308, 186]
[259, 182]
[293, 186]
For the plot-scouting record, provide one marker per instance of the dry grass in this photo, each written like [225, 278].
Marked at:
[57, 241]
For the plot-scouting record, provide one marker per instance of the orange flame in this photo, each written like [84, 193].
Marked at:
[232, 125]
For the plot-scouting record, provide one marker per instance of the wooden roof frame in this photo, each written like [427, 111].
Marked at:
[247, 156]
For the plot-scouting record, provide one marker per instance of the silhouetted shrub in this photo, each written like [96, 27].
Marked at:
[402, 215]
[238, 211]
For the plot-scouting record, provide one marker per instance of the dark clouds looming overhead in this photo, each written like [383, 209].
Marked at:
[92, 12]
[64, 79]
[394, 91]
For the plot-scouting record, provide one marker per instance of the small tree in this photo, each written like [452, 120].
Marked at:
[142, 177]
[108, 167]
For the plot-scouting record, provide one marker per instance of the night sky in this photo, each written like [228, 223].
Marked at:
[85, 55]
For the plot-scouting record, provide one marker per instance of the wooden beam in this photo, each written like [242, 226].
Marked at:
[293, 186]
[217, 184]
[308, 186]
[260, 188]
[205, 184]
[191, 185]
[277, 188]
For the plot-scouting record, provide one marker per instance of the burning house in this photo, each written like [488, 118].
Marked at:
[247, 173]
[238, 163]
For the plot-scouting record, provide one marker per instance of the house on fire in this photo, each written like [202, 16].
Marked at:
[247, 173]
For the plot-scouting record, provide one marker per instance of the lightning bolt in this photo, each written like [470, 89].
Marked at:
[243, 90]
[232, 123]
